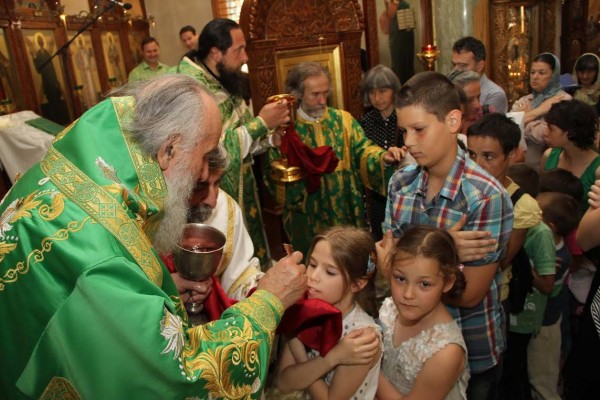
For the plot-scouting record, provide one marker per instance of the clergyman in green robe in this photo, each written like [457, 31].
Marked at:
[362, 163]
[216, 64]
[89, 310]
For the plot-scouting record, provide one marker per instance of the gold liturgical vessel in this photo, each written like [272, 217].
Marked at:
[280, 170]
[428, 55]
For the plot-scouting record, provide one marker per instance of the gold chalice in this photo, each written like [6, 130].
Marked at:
[280, 170]
[198, 256]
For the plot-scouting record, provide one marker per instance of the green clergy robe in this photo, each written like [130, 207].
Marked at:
[338, 201]
[238, 181]
[88, 309]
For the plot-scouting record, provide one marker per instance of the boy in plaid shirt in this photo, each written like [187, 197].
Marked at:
[448, 190]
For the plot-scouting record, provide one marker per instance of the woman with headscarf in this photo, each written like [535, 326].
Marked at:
[544, 79]
[585, 74]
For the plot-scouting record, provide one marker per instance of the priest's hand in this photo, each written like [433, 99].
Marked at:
[192, 291]
[275, 114]
[286, 280]
[394, 154]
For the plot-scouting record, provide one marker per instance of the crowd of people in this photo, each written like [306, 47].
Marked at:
[442, 251]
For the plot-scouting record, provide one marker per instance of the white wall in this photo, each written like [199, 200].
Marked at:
[170, 16]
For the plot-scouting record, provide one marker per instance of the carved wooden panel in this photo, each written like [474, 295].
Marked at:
[549, 13]
[536, 36]
[32, 28]
[272, 26]
[499, 45]
[371, 32]
[577, 22]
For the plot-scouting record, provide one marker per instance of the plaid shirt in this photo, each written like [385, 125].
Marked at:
[470, 190]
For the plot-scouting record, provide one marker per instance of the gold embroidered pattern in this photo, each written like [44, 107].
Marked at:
[50, 212]
[228, 251]
[6, 248]
[28, 204]
[37, 255]
[213, 364]
[103, 208]
[60, 388]
[149, 174]
[238, 346]
[260, 312]
[346, 157]
[64, 132]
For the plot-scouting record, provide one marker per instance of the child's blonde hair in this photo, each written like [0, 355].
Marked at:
[353, 251]
[430, 242]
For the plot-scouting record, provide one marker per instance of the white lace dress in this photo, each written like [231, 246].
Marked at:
[402, 364]
[356, 319]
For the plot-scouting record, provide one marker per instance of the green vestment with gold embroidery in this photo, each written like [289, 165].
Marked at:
[338, 201]
[238, 181]
[88, 309]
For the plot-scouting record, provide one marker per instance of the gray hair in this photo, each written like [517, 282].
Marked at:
[294, 84]
[462, 78]
[166, 105]
[218, 158]
[379, 77]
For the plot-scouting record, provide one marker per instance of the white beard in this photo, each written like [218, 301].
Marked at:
[179, 191]
[314, 112]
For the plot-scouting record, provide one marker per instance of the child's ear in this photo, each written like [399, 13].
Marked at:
[358, 285]
[449, 283]
[552, 226]
[512, 155]
[454, 120]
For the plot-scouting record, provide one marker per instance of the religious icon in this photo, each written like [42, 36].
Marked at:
[10, 91]
[47, 75]
[135, 45]
[328, 56]
[86, 72]
[21, 5]
[114, 56]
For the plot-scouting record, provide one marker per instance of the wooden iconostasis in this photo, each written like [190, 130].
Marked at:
[97, 60]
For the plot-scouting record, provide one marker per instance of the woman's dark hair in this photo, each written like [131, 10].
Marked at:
[546, 58]
[430, 242]
[587, 62]
[576, 118]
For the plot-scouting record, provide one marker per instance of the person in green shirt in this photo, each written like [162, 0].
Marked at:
[150, 66]
[89, 310]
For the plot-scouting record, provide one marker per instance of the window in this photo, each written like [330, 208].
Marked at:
[227, 9]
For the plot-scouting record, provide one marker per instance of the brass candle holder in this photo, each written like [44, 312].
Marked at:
[280, 170]
[428, 56]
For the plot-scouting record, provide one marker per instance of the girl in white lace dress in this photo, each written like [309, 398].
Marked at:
[425, 355]
[340, 271]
